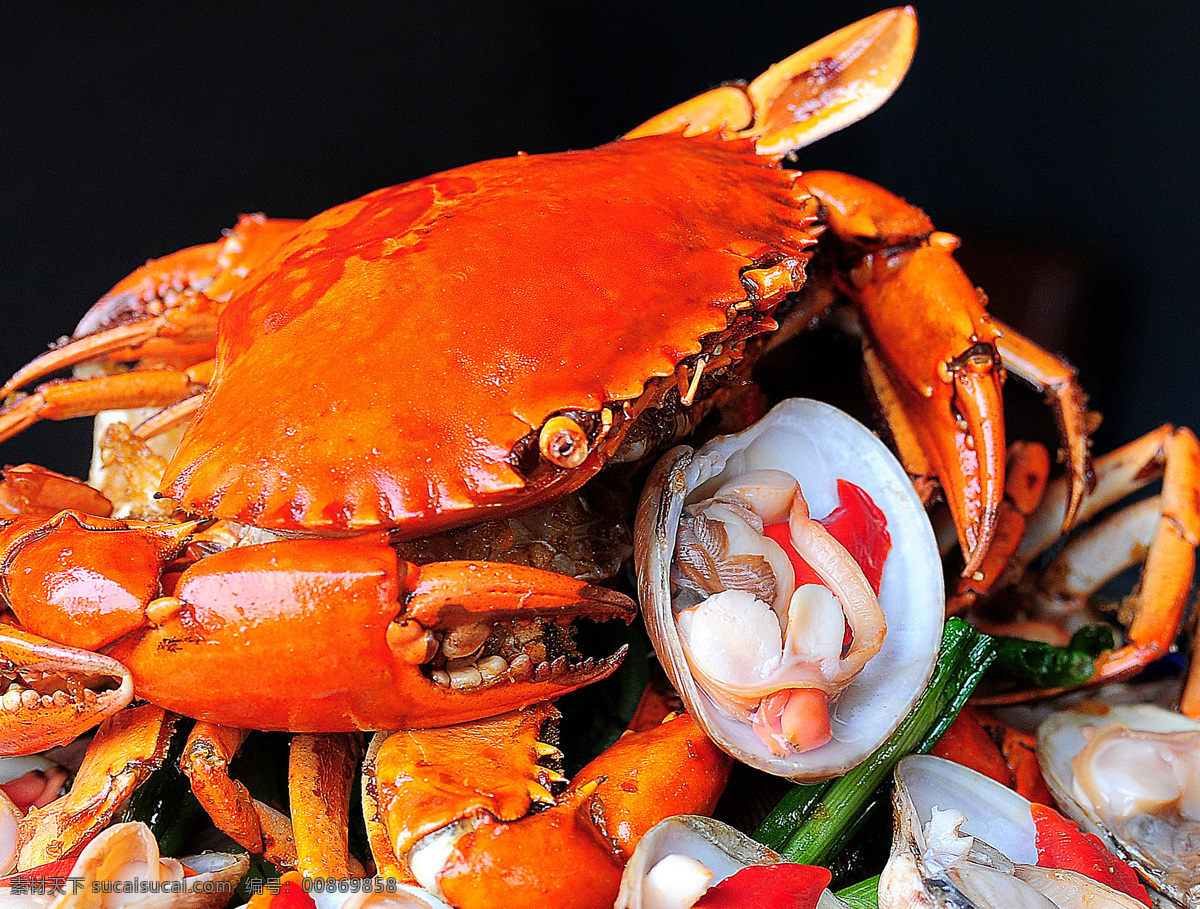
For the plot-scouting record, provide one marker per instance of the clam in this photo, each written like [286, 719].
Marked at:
[122, 867]
[764, 634]
[963, 840]
[681, 857]
[1131, 775]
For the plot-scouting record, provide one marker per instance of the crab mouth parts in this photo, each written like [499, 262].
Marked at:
[473, 657]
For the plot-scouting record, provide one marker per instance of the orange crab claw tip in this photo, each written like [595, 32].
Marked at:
[444, 593]
[977, 465]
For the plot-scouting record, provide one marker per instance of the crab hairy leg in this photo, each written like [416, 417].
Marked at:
[173, 301]
[1162, 532]
[253, 825]
[929, 326]
[454, 831]
[321, 771]
[70, 398]
[401, 644]
[127, 748]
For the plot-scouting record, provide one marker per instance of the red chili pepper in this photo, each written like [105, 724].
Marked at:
[859, 525]
[783, 886]
[1061, 844]
[966, 742]
[291, 895]
[57, 870]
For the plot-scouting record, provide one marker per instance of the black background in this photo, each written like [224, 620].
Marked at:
[1059, 139]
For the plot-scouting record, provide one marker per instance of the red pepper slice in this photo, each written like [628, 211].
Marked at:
[1061, 844]
[56, 870]
[782, 886]
[291, 895]
[859, 525]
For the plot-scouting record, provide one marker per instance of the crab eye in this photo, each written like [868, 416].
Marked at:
[563, 442]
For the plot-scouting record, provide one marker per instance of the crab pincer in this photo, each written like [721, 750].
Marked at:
[364, 636]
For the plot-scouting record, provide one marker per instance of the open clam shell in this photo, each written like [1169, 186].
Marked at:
[817, 444]
[1162, 841]
[718, 847]
[122, 867]
[963, 840]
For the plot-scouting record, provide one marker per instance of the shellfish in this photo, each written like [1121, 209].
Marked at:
[817, 445]
[1131, 775]
[964, 839]
[694, 853]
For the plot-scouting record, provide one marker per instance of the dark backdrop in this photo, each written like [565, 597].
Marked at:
[1058, 138]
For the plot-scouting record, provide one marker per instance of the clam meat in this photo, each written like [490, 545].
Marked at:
[798, 642]
[680, 858]
[1131, 775]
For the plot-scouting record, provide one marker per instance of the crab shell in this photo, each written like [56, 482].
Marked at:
[437, 326]
[1062, 736]
[817, 444]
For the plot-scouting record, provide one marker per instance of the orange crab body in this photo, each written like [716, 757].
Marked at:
[382, 366]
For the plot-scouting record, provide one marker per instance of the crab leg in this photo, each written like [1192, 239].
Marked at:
[127, 748]
[1162, 532]
[321, 772]
[251, 824]
[1058, 381]
[70, 398]
[167, 308]
[929, 326]
[106, 328]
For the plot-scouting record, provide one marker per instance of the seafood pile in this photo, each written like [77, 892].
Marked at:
[401, 528]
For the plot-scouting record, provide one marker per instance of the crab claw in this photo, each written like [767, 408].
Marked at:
[469, 833]
[342, 635]
[948, 387]
[54, 693]
[936, 342]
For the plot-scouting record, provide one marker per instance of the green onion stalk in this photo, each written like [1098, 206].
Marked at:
[814, 822]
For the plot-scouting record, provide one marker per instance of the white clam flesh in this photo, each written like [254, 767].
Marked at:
[963, 840]
[735, 632]
[1131, 775]
[683, 856]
